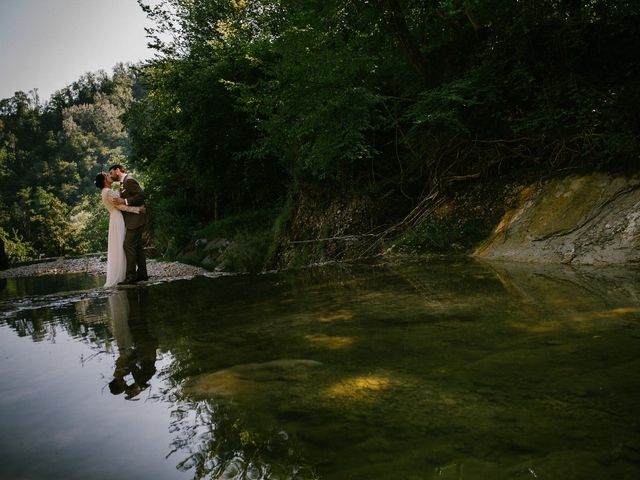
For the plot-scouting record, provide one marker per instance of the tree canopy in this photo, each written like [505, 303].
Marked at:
[248, 101]
[49, 155]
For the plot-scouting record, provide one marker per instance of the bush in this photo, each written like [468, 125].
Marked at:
[447, 236]
[16, 249]
[247, 252]
[232, 225]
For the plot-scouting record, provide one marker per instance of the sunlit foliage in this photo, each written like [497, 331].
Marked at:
[49, 155]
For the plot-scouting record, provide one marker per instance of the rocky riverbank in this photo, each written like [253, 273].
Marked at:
[97, 265]
[591, 219]
[579, 220]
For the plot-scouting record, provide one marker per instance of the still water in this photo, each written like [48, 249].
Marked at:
[440, 369]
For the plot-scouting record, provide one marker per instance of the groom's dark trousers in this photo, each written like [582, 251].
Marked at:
[134, 223]
[134, 253]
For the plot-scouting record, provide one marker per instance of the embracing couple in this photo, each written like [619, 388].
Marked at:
[126, 264]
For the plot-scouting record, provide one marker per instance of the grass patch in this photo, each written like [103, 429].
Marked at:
[228, 227]
[279, 229]
[249, 235]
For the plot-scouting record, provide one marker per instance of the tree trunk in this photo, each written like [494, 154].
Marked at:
[4, 260]
[407, 42]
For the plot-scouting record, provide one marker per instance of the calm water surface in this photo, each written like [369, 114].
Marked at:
[442, 369]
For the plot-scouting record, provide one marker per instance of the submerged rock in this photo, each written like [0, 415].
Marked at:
[250, 378]
[588, 220]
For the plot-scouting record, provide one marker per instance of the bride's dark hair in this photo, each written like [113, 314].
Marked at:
[100, 179]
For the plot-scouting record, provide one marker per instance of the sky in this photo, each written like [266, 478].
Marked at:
[48, 44]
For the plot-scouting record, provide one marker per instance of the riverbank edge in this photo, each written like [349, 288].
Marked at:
[568, 218]
[97, 265]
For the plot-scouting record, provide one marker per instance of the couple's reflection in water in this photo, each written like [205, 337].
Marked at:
[137, 346]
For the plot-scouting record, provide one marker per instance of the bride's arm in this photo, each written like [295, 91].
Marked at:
[126, 208]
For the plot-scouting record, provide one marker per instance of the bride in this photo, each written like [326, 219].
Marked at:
[116, 261]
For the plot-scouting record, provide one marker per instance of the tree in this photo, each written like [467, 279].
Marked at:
[51, 153]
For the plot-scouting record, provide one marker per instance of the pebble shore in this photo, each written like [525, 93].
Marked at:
[98, 265]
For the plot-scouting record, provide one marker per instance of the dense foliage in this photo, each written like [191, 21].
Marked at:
[49, 156]
[249, 101]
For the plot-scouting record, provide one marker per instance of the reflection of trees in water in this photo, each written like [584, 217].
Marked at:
[38, 329]
[220, 444]
[217, 438]
[212, 438]
[44, 324]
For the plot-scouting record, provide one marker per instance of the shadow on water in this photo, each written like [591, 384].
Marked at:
[409, 369]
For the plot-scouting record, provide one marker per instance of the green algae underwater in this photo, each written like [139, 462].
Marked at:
[405, 369]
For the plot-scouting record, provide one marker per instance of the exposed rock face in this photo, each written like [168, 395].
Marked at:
[586, 220]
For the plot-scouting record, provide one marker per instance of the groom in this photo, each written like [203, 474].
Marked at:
[131, 194]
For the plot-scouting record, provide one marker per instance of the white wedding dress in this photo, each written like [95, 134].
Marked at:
[116, 261]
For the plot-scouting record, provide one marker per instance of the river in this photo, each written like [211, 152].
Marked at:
[446, 368]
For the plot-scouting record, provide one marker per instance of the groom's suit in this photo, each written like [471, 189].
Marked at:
[134, 222]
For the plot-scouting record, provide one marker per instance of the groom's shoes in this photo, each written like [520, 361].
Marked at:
[142, 279]
[128, 281]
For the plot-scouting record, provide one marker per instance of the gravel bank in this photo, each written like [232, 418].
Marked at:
[98, 265]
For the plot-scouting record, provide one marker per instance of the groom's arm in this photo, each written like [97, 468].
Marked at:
[126, 208]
